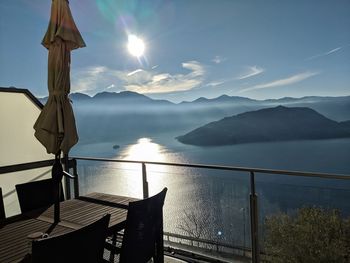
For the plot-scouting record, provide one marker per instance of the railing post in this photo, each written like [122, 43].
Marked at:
[144, 181]
[76, 179]
[66, 179]
[254, 221]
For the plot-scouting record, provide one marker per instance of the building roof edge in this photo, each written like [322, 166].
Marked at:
[25, 92]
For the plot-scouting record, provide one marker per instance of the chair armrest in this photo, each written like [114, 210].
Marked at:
[114, 249]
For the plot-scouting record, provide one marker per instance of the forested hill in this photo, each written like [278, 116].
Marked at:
[266, 125]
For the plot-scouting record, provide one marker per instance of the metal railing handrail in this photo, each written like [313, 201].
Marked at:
[223, 167]
[46, 163]
[30, 165]
[26, 166]
[254, 218]
[72, 162]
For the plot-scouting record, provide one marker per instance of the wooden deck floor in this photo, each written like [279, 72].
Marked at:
[75, 213]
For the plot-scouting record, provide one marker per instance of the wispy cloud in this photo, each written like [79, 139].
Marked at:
[282, 82]
[215, 83]
[218, 59]
[250, 72]
[166, 83]
[196, 68]
[110, 87]
[325, 53]
[134, 72]
[96, 79]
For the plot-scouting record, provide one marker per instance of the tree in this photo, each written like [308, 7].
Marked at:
[195, 226]
[313, 235]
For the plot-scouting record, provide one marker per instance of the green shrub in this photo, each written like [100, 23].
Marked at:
[313, 235]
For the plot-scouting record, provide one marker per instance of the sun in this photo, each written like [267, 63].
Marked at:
[136, 46]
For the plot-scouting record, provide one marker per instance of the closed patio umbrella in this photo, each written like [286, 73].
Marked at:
[55, 127]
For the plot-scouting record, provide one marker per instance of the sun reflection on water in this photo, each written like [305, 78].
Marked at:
[145, 150]
[126, 178]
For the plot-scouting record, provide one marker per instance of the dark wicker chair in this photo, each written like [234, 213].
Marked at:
[143, 234]
[37, 194]
[84, 245]
[2, 207]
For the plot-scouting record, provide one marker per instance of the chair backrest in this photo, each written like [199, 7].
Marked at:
[143, 235]
[83, 245]
[37, 194]
[2, 207]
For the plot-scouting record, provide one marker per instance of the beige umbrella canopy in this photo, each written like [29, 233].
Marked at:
[55, 127]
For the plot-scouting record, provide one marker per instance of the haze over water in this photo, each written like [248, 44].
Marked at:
[222, 198]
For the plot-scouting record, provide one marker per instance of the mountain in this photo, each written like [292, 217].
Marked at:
[79, 96]
[110, 115]
[221, 99]
[125, 98]
[266, 125]
[336, 108]
[124, 95]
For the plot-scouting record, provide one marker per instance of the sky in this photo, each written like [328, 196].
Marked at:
[193, 48]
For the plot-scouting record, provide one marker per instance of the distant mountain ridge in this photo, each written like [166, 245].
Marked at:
[266, 125]
[336, 108]
[121, 97]
[108, 115]
[220, 99]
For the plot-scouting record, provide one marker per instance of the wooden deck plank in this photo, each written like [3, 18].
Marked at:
[14, 242]
[84, 211]
[75, 214]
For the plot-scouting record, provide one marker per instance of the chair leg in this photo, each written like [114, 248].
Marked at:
[114, 243]
[159, 257]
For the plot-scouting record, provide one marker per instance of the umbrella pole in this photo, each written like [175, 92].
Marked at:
[56, 176]
[57, 206]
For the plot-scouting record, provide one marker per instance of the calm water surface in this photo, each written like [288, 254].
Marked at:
[220, 200]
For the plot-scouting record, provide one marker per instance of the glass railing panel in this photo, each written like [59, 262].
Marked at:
[206, 211]
[303, 219]
[110, 177]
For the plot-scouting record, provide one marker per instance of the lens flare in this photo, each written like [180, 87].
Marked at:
[136, 46]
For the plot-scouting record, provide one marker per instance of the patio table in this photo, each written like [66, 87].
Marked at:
[75, 213]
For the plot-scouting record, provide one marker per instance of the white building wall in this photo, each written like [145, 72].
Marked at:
[18, 145]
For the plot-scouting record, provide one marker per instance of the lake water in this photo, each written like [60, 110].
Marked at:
[207, 202]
